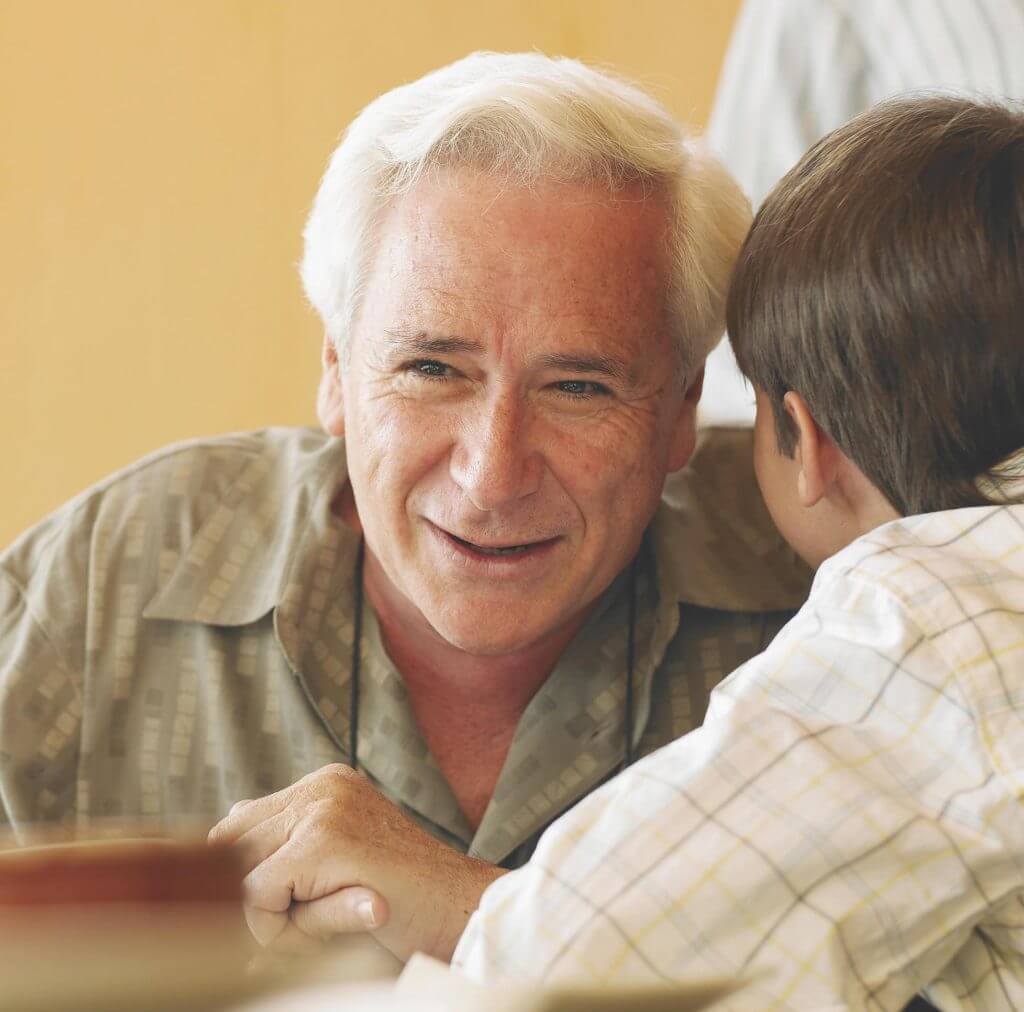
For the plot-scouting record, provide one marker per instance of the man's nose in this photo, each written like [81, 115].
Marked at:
[493, 460]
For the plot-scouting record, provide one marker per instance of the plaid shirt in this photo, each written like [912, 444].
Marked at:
[845, 828]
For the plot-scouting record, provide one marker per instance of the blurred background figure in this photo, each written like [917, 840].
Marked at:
[796, 69]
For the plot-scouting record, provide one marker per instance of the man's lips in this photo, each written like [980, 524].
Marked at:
[494, 549]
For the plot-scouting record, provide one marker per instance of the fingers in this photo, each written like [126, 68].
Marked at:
[266, 926]
[269, 885]
[257, 844]
[347, 910]
[244, 815]
[303, 860]
[272, 929]
[304, 926]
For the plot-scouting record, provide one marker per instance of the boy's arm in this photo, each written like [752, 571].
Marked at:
[834, 830]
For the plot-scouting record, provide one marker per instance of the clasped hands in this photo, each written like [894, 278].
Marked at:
[331, 855]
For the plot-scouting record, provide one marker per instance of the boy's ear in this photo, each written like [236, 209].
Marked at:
[329, 401]
[815, 453]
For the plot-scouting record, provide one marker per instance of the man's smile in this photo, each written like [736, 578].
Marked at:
[492, 549]
[511, 551]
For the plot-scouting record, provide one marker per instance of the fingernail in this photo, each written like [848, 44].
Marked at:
[365, 911]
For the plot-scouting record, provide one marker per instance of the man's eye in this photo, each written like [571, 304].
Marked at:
[581, 389]
[429, 368]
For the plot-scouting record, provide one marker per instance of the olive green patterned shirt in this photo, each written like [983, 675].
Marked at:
[180, 636]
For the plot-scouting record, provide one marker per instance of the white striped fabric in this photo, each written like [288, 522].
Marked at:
[797, 69]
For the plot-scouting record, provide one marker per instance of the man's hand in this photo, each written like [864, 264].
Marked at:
[330, 855]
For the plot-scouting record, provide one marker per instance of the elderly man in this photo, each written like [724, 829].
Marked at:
[469, 586]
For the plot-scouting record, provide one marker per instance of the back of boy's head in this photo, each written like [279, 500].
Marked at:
[883, 281]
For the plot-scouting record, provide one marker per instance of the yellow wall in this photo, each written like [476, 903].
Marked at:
[157, 158]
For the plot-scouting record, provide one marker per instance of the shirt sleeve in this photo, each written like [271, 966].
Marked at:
[40, 718]
[835, 831]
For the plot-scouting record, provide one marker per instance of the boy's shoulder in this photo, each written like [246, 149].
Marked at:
[941, 567]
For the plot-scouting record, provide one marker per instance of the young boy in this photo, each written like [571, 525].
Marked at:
[847, 826]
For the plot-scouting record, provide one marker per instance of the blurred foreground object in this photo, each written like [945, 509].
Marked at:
[157, 924]
[109, 924]
[428, 985]
[425, 977]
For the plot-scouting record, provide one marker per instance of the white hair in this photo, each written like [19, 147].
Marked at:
[1004, 483]
[528, 117]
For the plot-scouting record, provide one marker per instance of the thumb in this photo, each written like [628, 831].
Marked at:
[339, 913]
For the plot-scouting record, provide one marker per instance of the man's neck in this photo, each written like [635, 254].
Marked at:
[467, 706]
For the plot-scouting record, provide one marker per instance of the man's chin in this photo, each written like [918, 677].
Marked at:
[494, 635]
[483, 643]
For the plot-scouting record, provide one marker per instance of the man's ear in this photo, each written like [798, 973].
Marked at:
[329, 400]
[684, 435]
[816, 455]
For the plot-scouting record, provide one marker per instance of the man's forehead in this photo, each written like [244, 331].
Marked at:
[590, 263]
[481, 219]
[463, 264]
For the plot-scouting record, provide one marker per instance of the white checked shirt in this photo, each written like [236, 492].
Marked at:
[846, 827]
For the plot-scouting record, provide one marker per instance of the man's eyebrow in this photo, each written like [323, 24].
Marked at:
[423, 343]
[602, 365]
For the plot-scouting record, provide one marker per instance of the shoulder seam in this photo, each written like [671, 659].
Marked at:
[73, 506]
[62, 661]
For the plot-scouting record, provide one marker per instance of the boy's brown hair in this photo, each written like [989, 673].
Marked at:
[883, 280]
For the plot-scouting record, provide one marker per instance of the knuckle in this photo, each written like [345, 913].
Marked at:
[326, 781]
[312, 819]
[338, 778]
[328, 774]
[320, 798]
[323, 812]
[291, 819]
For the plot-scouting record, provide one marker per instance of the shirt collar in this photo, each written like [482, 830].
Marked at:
[272, 526]
[714, 543]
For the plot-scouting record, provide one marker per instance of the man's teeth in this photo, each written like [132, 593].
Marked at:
[511, 550]
[501, 551]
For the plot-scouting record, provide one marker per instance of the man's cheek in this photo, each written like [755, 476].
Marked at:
[608, 475]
